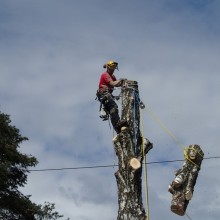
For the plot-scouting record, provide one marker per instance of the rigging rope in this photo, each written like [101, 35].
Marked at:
[145, 168]
[137, 100]
[164, 127]
[171, 135]
[135, 142]
[175, 139]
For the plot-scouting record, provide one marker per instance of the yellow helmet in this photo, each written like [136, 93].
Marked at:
[111, 65]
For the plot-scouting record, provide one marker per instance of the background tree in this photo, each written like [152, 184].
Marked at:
[13, 174]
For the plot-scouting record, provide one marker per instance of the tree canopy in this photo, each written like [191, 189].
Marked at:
[13, 174]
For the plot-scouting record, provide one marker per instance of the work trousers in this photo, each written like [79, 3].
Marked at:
[110, 107]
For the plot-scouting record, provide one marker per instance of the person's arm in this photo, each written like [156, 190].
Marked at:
[116, 83]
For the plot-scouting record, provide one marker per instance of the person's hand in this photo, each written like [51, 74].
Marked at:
[121, 81]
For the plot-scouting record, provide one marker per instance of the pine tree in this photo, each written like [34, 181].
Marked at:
[13, 174]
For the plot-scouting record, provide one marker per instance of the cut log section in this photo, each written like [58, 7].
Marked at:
[135, 163]
[182, 186]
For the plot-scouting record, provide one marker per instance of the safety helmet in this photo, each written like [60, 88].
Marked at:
[111, 65]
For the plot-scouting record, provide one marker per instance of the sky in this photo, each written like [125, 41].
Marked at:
[51, 57]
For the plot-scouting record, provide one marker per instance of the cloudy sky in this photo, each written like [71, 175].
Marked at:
[51, 58]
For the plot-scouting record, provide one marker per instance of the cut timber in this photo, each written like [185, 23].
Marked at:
[135, 163]
[128, 148]
[182, 186]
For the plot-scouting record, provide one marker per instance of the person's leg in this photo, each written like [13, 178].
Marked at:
[112, 108]
[114, 115]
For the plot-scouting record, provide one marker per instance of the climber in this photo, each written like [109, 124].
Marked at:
[104, 94]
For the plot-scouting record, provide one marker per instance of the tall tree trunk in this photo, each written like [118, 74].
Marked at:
[128, 148]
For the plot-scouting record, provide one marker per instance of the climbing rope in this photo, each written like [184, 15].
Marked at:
[135, 132]
[141, 106]
[137, 100]
[145, 168]
[137, 104]
[178, 143]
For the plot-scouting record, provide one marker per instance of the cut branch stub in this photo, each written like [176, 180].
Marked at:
[135, 163]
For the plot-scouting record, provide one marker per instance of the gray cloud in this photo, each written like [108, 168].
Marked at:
[51, 56]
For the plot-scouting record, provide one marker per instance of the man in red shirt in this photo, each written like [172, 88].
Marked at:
[106, 86]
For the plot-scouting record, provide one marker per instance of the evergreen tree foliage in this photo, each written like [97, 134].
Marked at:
[13, 174]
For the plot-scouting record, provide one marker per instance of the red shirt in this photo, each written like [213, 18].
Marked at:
[104, 82]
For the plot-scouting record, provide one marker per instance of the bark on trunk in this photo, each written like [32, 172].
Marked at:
[128, 148]
[182, 186]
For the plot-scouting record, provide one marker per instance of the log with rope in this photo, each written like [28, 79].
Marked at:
[129, 146]
[182, 186]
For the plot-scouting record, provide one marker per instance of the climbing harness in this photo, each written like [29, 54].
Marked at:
[103, 98]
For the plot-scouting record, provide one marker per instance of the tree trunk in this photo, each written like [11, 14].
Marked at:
[128, 148]
[182, 186]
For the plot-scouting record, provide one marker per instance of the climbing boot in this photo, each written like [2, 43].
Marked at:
[103, 115]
